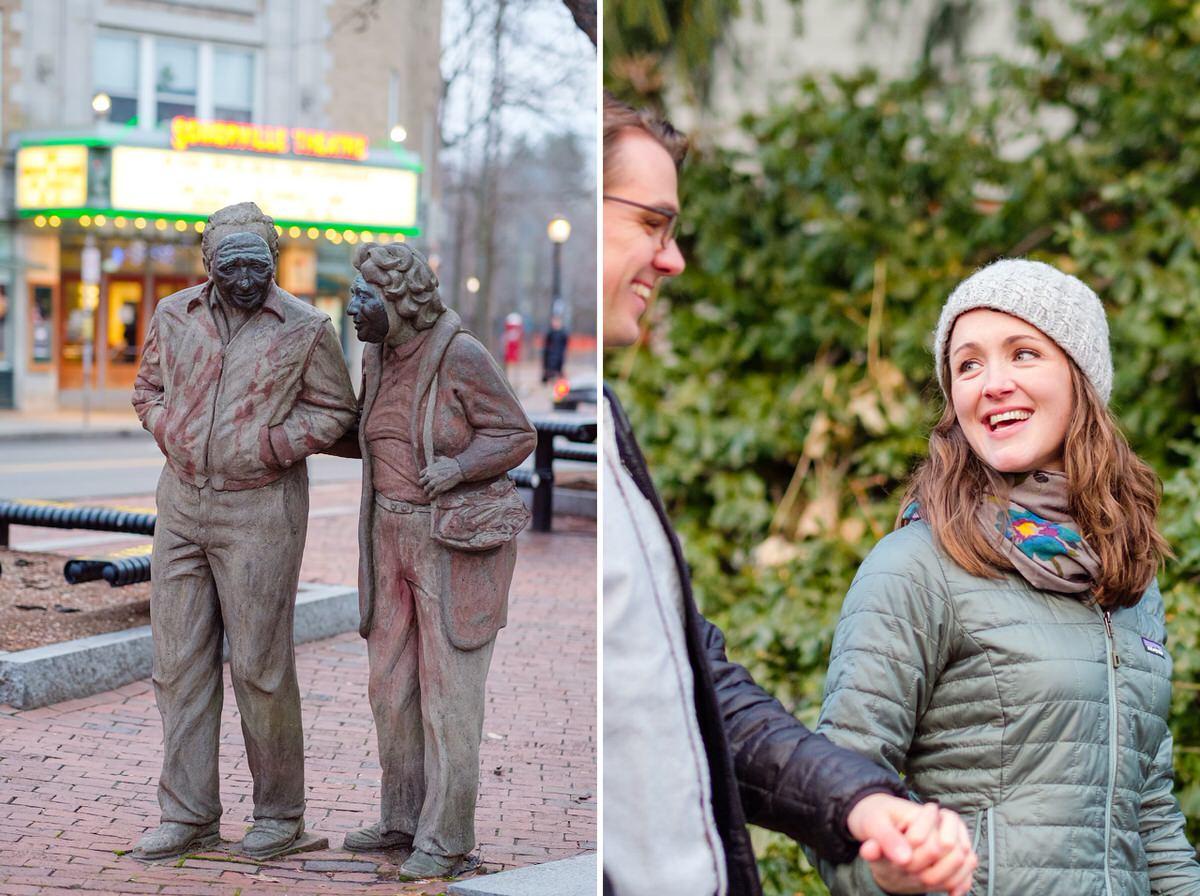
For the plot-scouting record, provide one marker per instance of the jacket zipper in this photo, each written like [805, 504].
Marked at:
[983, 819]
[212, 423]
[1113, 664]
[212, 420]
[991, 872]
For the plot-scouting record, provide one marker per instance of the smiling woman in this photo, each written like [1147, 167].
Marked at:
[1007, 641]
[1011, 391]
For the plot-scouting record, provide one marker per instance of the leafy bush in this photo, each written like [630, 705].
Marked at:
[788, 389]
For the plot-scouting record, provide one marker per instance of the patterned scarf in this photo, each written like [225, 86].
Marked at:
[1034, 531]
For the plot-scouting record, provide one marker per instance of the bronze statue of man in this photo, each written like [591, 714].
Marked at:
[239, 382]
[438, 431]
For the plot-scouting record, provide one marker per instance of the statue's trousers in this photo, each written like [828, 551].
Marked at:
[426, 694]
[228, 562]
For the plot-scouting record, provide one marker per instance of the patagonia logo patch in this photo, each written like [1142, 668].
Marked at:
[1153, 647]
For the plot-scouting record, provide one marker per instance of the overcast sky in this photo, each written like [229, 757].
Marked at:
[549, 62]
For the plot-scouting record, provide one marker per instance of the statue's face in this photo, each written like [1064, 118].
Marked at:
[371, 312]
[242, 269]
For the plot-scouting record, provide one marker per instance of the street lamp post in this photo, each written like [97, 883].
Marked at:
[559, 230]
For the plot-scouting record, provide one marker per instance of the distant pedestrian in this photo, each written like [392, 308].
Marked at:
[554, 352]
[514, 333]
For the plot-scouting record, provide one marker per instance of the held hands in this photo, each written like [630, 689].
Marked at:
[441, 476]
[913, 848]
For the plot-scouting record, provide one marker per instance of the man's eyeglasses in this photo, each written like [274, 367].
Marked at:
[668, 229]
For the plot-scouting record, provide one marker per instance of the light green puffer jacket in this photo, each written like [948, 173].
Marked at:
[1042, 723]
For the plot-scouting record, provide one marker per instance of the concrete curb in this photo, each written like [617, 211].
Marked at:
[575, 876]
[86, 666]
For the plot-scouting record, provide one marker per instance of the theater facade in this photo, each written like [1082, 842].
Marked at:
[106, 222]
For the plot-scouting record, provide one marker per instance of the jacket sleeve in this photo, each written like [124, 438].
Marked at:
[790, 779]
[502, 435]
[324, 407]
[891, 644]
[1174, 870]
[149, 397]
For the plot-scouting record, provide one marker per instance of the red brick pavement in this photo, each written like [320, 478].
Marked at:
[77, 779]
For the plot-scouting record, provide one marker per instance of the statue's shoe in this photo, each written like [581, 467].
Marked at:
[422, 865]
[175, 838]
[271, 837]
[374, 838]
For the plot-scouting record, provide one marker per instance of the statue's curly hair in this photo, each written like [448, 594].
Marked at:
[400, 271]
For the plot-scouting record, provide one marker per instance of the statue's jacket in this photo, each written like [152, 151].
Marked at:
[1039, 720]
[237, 416]
[479, 422]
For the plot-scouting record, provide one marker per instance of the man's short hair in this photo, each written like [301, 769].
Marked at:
[244, 217]
[619, 116]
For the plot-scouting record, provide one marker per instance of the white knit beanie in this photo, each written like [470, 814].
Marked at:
[1061, 306]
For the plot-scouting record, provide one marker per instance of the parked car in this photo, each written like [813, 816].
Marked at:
[568, 395]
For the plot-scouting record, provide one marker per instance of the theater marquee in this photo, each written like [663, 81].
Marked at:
[300, 177]
[159, 181]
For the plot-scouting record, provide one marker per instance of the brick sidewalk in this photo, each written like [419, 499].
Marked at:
[77, 779]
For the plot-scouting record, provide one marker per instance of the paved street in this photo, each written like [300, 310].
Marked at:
[67, 466]
[54, 456]
[77, 779]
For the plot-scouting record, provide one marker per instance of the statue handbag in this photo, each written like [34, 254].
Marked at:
[473, 516]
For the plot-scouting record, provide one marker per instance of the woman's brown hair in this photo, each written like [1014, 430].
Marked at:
[1112, 495]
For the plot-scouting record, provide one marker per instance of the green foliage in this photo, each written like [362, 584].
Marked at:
[647, 42]
[789, 390]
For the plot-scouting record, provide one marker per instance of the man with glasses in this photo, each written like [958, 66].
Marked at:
[693, 748]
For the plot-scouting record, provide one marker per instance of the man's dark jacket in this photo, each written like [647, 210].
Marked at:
[765, 766]
[554, 353]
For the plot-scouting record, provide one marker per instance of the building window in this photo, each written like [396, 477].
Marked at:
[115, 72]
[154, 79]
[175, 78]
[233, 84]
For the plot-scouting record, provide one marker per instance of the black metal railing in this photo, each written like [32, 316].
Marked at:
[125, 567]
[69, 516]
[541, 478]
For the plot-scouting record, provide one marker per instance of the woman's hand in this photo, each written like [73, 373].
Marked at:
[913, 848]
[441, 476]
